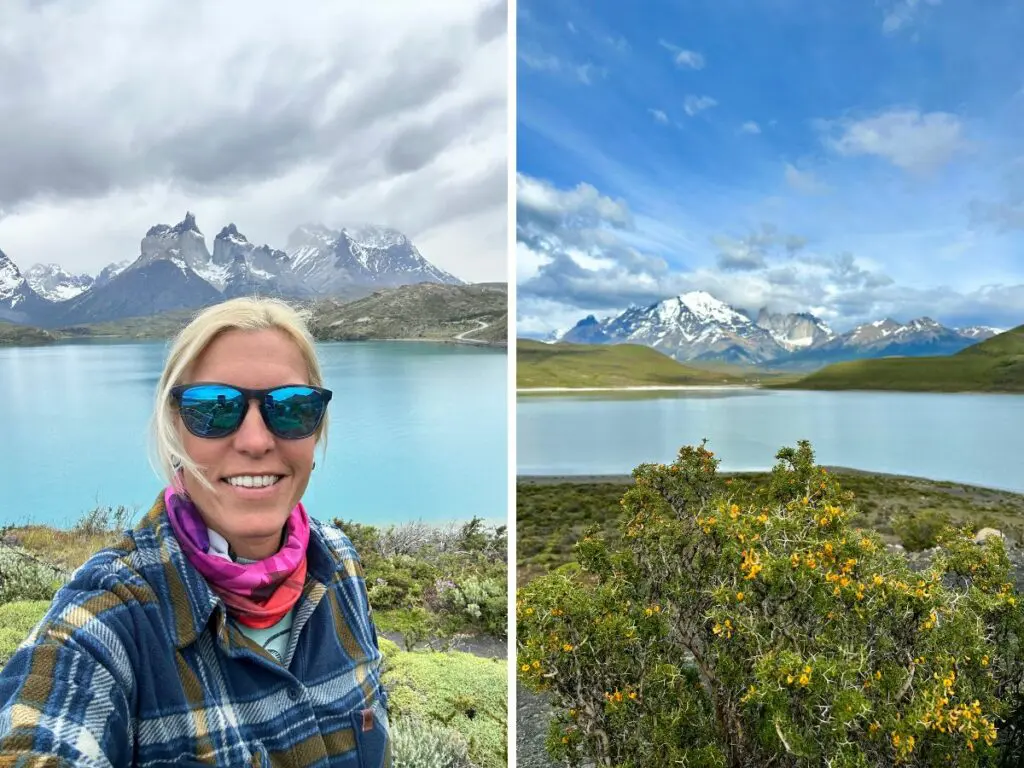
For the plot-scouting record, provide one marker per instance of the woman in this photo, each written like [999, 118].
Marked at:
[229, 627]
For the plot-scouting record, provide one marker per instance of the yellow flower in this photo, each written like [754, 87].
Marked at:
[739, 596]
[525, 668]
[567, 648]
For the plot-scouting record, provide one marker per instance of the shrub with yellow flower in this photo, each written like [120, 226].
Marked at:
[738, 627]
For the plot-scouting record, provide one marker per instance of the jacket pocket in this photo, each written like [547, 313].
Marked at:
[373, 738]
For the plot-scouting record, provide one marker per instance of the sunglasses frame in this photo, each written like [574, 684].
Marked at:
[259, 395]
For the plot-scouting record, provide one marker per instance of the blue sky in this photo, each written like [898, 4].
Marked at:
[855, 159]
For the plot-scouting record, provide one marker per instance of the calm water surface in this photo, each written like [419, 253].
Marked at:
[417, 432]
[977, 439]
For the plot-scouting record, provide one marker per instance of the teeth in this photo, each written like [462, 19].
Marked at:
[253, 481]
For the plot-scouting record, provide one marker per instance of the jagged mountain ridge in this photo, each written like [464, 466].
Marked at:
[19, 303]
[175, 271]
[53, 283]
[696, 326]
[336, 258]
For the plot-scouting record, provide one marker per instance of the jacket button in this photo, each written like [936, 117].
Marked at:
[294, 693]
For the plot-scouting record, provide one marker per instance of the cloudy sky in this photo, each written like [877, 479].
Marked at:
[857, 160]
[119, 114]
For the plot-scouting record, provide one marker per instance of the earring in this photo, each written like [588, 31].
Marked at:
[314, 466]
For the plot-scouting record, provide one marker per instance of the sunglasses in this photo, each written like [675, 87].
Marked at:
[212, 410]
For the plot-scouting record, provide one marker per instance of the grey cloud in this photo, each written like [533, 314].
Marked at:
[750, 253]
[417, 144]
[492, 21]
[845, 273]
[221, 141]
[222, 101]
[740, 262]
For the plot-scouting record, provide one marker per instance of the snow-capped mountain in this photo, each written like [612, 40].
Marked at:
[184, 246]
[889, 338]
[111, 271]
[19, 303]
[53, 283]
[176, 270]
[244, 268]
[979, 332]
[697, 326]
[800, 330]
[381, 256]
[691, 326]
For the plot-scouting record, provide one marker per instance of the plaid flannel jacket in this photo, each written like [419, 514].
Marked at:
[135, 663]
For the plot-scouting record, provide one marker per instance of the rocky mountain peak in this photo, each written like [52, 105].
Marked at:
[188, 224]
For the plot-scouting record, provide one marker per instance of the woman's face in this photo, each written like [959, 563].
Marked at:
[251, 519]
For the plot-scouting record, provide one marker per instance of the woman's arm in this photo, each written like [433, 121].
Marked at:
[63, 695]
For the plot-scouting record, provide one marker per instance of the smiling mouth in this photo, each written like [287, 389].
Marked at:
[253, 481]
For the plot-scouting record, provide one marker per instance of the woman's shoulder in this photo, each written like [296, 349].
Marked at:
[339, 547]
[109, 582]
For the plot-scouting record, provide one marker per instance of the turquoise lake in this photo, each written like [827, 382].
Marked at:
[418, 432]
[968, 438]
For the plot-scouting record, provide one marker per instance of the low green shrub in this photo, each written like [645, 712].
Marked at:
[25, 577]
[417, 743]
[432, 581]
[921, 529]
[455, 690]
[16, 621]
[723, 631]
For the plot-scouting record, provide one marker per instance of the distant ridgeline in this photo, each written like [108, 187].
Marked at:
[175, 271]
[696, 327]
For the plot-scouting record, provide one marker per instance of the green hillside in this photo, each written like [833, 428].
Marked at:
[994, 365]
[12, 335]
[591, 365]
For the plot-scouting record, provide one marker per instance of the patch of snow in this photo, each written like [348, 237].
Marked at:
[215, 274]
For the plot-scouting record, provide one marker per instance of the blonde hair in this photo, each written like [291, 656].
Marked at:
[244, 314]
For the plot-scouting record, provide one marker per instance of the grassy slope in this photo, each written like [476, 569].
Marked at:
[23, 335]
[592, 365]
[994, 365]
[551, 516]
[425, 311]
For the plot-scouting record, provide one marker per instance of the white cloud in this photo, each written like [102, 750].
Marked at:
[539, 60]
[901, 13]
[906, 138]
[693, 105]
[574, 258]
[804, 181]
[537, 199]
[659, 116]
[750, 127]
[683, 57]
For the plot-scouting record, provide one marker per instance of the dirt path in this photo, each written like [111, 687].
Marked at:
[480, 326]
[533, 713]
[479, 645]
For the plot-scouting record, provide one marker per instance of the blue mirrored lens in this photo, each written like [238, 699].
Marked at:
[212, 410]
[294, 412]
